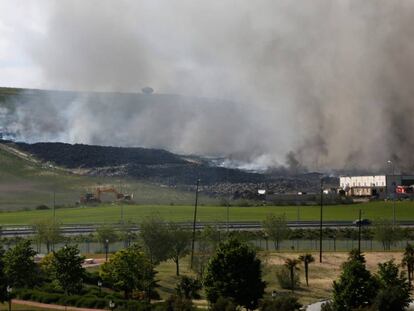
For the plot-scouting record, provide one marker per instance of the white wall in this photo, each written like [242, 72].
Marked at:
[362, 181]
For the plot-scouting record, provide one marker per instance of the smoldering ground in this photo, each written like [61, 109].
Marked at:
[327, 82]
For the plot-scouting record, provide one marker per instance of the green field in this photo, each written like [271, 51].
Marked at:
[135, 213]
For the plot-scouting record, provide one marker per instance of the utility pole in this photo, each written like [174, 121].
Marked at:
[194, 224]
[228, 216]
[122, 205]
[359, 231]
[228, 205]
[320, 227]
[54, 204]
[394, 184]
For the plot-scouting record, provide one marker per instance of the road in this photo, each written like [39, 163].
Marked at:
[76, 229]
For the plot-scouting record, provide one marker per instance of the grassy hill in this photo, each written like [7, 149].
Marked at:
[26, 183]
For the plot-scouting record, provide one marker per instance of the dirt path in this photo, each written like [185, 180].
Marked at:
[49, 306]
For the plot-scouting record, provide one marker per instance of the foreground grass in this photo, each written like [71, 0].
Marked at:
[135, 213]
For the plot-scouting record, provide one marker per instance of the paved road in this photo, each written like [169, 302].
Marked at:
[50, 306]
[317, 306]
[90, 228]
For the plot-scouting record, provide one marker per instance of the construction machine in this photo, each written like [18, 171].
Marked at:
[96, 197]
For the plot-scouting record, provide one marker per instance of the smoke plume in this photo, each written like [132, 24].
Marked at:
[322, 84]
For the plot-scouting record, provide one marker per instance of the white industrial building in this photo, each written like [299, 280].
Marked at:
[381, 186]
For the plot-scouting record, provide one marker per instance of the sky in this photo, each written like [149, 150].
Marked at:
[322, 84]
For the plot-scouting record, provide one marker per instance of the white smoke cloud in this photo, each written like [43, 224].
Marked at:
[328, 80]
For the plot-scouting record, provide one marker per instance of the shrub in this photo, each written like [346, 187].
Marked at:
[91, 278]
[327, 306]
[283, 277]
[224, 304]
[188, 288]
[42, 207]
[281, 303]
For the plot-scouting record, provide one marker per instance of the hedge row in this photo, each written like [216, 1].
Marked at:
[84, 301]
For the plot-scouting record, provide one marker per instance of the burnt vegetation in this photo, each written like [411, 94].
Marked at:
[154, 165]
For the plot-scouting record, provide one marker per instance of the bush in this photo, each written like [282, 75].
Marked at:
[42, 207]
[91, 278]
[188, 288]
[281, 303]
[283, 277]
[327, 306]
[85, 301]
[224, 304]
[176, 303]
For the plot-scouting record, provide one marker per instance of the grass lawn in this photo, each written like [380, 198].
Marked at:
[321, 275]
[135, 213]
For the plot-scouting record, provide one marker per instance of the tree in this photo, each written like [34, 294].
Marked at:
[67, 270]
[356, 288]
[147, 90]
[156, 239]
[129, 270]
[306, 259]
[234, 272]
[46, 265]
[387, 233]
[291, 265]
[179, 244]
[19, 265]
[3, 280]
[394, 288]
[208, 240]
[48, 232]
[408, 261]
[126, 233]
[188, 288]
[284, 278]
[106, 233]
[275, 227]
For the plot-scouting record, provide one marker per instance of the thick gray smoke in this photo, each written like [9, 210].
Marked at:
[326, 82]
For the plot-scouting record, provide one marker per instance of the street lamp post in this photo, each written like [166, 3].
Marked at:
[359, 231]
[320, 224]
[106, 249]
[111, 305]
[394, 192]
[194, 224]
[9, 290]
[100, 286]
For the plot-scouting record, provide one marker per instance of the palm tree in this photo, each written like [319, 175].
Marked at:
[291, 264]
[408, 261]
[306, 259]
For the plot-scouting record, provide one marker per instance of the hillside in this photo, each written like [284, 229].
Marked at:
[26, 183]
[152, 165]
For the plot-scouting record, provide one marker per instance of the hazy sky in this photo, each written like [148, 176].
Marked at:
[329, 81]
